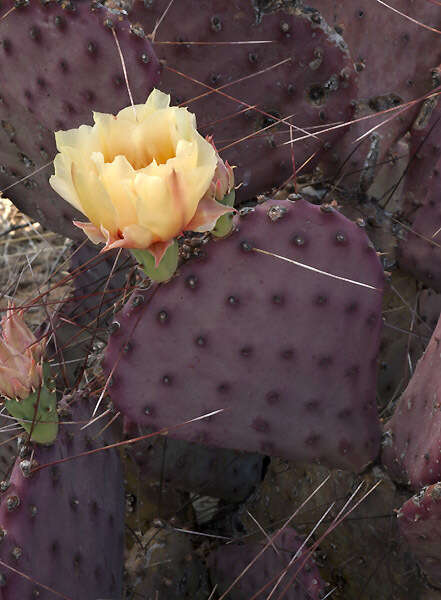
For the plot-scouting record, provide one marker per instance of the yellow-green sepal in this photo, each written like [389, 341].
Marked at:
[224, 224]
[43, 422]
[166, 268]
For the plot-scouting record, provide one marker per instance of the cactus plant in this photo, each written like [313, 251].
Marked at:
[277, 385]
[51, 512]
[228, 562]
[407, 58]
[304, 75]
[412, 436]
[86, 76]
[419, 523]
[288, 353]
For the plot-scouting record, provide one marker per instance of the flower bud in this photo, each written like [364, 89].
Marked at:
[222, 183]
[20, 357]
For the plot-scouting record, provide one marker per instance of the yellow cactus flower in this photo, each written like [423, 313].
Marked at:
[140, 177]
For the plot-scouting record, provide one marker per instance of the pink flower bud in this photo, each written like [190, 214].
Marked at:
[223, 179]
[20, 357]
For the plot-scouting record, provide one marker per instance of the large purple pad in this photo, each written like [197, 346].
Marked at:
[302, 72]
[289, 354]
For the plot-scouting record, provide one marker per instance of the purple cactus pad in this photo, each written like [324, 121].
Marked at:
[58, 63]
[302, 72]
[289, 354]
[411, 445]
[228, 562]
[419, 521]
[63, 525]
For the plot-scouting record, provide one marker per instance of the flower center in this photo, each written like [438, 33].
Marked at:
[139, 159]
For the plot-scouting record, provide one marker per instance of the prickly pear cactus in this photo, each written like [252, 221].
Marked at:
[45, 94]
[286, 357]
[419, 251]
[406, 55]
[247, 317]
[302, 578]
[412, 436]
[419, 523]
[69, 515]
[298, 69]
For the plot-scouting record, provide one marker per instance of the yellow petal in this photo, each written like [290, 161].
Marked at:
[136, 236]
[156, 207]
[62, 182]
[157, 100]
[83, 141]
[116, 178]
[95, 201]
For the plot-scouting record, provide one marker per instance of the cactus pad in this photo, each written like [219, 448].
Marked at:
[75, 69]
[304, 75]
[411, 445]
[419, 520]
[288, 353]
[420, 252]
[229, 561]
[47, 519]
[397, 69]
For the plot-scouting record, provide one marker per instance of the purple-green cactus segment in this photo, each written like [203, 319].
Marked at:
[303, 74]
[411, 444]
[24, 147]
[287, 353]
[228, 561]
[63, 525]
[75, 69]
[419, 521]
[419, 252]
[37, 413]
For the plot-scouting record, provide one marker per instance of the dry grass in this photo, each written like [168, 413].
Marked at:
[31, 262]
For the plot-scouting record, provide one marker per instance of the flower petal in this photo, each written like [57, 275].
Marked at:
[157, 209]
[159, 249]
[207, 213]
[116, 178]
[62, 182]
[136, 236]
[92, 231]
[94, 199]
[7, 377]
[15, 331]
